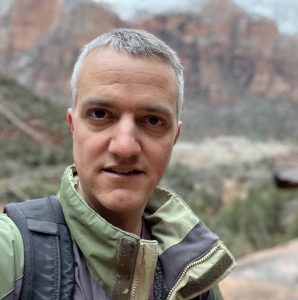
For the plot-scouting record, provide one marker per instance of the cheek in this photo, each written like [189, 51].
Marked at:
[160, 157]
[84, 147]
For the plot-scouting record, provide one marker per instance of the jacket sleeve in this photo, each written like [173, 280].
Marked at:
[11, 256]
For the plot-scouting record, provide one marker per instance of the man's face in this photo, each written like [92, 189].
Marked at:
[124, 127]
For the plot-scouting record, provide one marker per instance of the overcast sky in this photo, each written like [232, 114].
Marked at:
[284, 12]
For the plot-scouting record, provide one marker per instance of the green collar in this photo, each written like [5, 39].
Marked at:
[97, 239]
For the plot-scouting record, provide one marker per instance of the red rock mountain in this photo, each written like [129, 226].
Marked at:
[43, 39]
[225, 51]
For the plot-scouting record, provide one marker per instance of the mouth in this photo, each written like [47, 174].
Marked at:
[123, 171]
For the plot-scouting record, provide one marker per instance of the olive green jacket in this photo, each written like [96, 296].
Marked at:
[193, 259]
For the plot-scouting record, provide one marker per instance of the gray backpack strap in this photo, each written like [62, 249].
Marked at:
[49, 258]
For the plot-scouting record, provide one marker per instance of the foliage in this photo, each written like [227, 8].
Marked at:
[30, 167]
[262, 219]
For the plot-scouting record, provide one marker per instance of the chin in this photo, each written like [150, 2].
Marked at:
[122, 201]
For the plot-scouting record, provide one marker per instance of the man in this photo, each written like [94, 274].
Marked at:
[131, 238]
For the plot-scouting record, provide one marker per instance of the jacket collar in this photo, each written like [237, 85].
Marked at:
[111, 254]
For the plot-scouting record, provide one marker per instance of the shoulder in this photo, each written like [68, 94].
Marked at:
[11, 257]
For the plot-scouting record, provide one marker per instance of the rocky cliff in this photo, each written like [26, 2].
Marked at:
[240, 72]
[225, 52]
[23, 24]
[43, 38]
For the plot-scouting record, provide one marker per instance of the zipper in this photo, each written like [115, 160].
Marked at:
[137, 276]
[197, 262]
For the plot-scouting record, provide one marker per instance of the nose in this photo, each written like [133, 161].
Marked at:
[124, 142]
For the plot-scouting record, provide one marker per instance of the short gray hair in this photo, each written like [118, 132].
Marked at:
[134, 42]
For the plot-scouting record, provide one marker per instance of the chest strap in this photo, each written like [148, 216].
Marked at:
[48, 257]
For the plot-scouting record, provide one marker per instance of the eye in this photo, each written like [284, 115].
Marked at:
[155, 121]
[98, 114]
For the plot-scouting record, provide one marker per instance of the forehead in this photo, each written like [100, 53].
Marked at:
[109, 57]
[109, 74]
[107, 66]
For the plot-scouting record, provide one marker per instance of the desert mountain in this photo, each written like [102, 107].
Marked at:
[240, 72]
[225, 51]
[43, 38]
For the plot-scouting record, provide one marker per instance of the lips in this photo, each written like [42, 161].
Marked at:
[124, 171]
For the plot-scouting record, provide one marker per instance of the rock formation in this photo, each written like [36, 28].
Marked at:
[267, 274]
[42, 54]
[225, 52]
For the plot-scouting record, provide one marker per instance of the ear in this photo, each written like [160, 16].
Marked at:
[178, 131]
[70, 119]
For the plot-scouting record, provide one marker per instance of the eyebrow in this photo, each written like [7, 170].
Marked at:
[155, 108]
[152, 108]
[97, 101]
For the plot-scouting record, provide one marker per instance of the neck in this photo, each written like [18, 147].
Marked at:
[127, 221]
